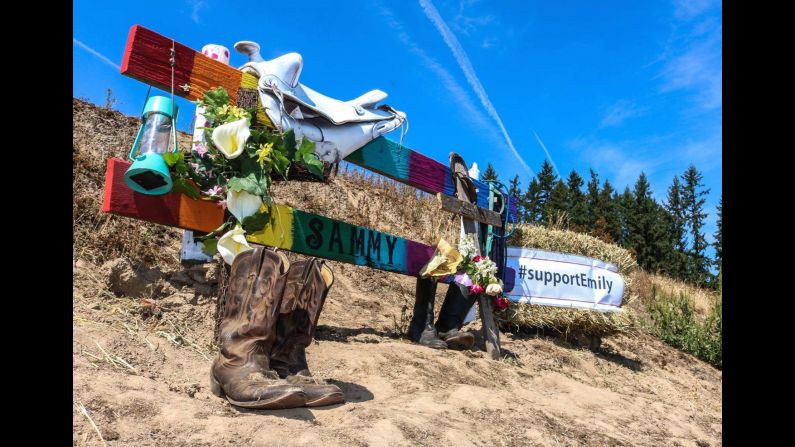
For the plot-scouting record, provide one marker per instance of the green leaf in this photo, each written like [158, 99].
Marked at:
[172, 158]
[215, 232]
[289, 143]
[256, 222]
[210, 246]
[216, 97]
[307, 147]
[280, 162]
[249, 166]
[181, 185]
[249, 184]
[313, 165]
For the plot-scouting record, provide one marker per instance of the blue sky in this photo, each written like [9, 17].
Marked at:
[621, 87]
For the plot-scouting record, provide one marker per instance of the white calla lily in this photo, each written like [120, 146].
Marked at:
[230, 138]
[232, 243]
[493, 289]
[242, 204]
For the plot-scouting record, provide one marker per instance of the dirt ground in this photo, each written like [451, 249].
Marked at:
[143, 327]
[142, 358]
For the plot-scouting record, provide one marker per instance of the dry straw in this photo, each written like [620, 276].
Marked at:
[573, 321]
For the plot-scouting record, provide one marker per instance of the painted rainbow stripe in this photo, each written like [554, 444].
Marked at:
[172, 209]
[291, 229]
[320, 236]
[147, 59]
[400, 163]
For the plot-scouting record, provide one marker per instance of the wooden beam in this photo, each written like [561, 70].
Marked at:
[290, 229]
[320, 236]
[491, 334]
[146, 59]
[468, 210]
[400, 163]
[173, 209]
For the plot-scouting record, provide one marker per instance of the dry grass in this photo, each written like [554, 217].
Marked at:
[574, 321]
[82, 409]
[703, 300]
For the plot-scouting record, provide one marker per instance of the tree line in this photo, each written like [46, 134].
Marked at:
[666, 237]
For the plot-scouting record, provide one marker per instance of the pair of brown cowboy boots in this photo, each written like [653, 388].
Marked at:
[446, 333]
[267, 321]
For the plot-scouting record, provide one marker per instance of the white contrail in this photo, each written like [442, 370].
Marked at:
[466, 66]
[461, 96]
[96, 53]
[544, 146]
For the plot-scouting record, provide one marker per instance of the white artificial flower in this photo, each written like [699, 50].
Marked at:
[232, 243]
[242, 204]
[466, 247]
[230, 138]
[493, 289]
[486, 268]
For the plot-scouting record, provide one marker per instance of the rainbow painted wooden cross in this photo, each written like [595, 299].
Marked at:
[147, 59]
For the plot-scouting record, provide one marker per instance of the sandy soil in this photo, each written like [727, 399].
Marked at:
[143, 348]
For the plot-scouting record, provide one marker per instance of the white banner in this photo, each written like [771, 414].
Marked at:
[560, 279]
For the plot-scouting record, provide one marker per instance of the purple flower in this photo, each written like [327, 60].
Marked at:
[222, 203]
[195, 166]
[200, 149]
[463, 279]
[214, 191]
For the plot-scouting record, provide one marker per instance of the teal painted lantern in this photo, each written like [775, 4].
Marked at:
[148, 173]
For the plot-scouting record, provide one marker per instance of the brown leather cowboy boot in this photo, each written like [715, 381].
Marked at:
[247, 331]
[308, 283]
[457, 303]
[421, 328]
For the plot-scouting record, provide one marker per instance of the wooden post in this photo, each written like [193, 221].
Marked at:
[491, 335]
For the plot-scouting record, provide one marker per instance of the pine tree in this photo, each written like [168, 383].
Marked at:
[718, 244]
[593, 199]
[489, 173]
[648, 229]
[693, 193]
[513, 187]
[546, 182]
[515, 191]
[607, 225]
[676, 220]
[559, 201]
[578, 207]
[624, 204]
[531, 201]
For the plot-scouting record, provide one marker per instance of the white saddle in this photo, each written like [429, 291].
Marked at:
[337, 127]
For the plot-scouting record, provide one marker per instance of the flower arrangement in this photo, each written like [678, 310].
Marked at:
[235, 167]
[479, 273]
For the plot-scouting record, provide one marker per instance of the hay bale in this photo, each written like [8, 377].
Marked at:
[572, 322]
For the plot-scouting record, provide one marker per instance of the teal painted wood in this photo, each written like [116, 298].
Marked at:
[400, 163]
